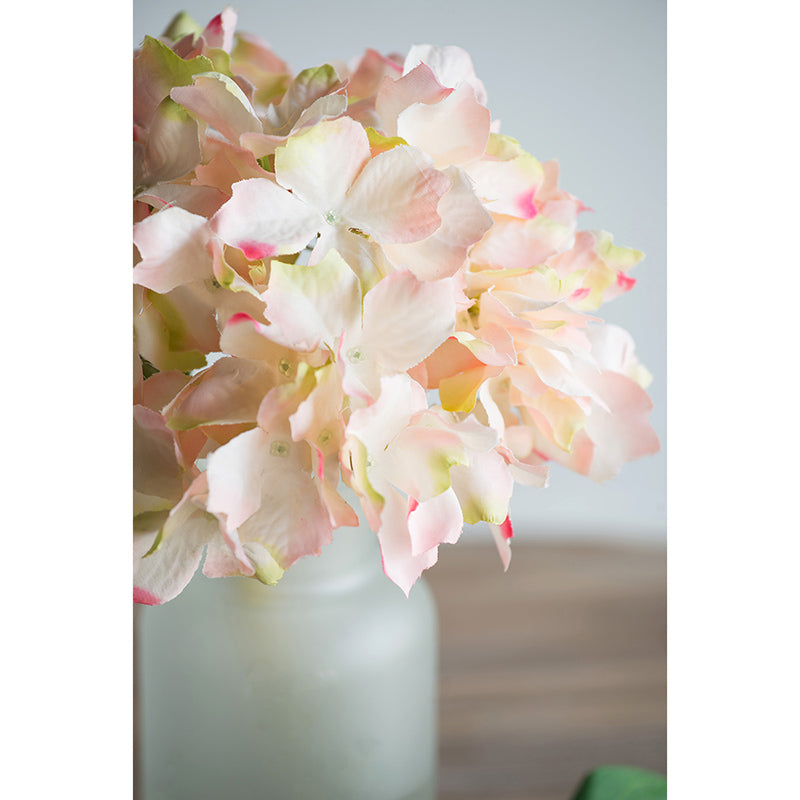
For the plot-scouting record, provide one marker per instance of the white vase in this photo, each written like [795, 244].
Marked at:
[323, 687]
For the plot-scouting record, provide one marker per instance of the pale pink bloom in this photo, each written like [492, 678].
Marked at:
[444, 259]
[336, 188]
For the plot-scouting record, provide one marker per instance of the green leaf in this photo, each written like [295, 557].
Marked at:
[622, 783]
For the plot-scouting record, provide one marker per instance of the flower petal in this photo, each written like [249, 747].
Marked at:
[319, 164]
[451, 65]
[308, 88]
[264, 220]
[396, 196]
[442, 254]
[399, 562]
[483, 487]
[502, 537]
[229, 391]
[172, 243]
[514, 243]
[418, 461]
[165, 572]
[220, 31]
[260, 483]
[418, 85]
[508, 187]
[173, 146]
[435, 521]
[218, 100]
[406, 319]
[313, 304]
[453, 131]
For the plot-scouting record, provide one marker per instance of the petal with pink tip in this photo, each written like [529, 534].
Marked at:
[264, 220]
[220, 31]
[502, 538]
[172, 244]
[395, 197]
[508, 187]
[319, 164]
[164, 573]
[483, 487]
[399, 563]
[248, 338]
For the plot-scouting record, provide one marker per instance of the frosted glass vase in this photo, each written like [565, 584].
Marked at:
[323, 687]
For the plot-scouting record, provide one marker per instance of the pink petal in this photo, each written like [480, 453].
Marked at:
[172, 243]
[313, 304]
[263, 219]
[218, 100]
[451, 65]
[229, 391]
[399, 562]
[514, 243]
[442, 254]
[502, 537]
[396, 196]
[370, 72]
[406, 319]
[164, 574]
[219, 32]
[453, 131]
[418, 85]
[434, 522]
[260, 483]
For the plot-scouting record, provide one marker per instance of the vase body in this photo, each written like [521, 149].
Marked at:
[323, 687]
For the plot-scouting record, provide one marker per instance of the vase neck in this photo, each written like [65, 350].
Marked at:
[353, 554]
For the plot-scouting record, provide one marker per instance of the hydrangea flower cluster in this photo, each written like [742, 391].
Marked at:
[348, 276]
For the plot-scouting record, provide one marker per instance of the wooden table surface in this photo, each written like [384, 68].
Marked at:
[550, 670]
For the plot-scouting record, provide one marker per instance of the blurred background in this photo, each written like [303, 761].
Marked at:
[580, 81]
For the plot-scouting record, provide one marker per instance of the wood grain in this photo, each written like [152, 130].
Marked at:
[549, 670]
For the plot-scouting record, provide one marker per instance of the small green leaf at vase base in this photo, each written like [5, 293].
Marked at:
[622, 783]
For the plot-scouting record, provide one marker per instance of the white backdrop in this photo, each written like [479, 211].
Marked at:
[578, 80]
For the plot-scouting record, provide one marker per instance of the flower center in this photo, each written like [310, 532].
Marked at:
[355, 355]
[279, 449]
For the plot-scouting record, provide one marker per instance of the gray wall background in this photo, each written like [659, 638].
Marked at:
[576, 80]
